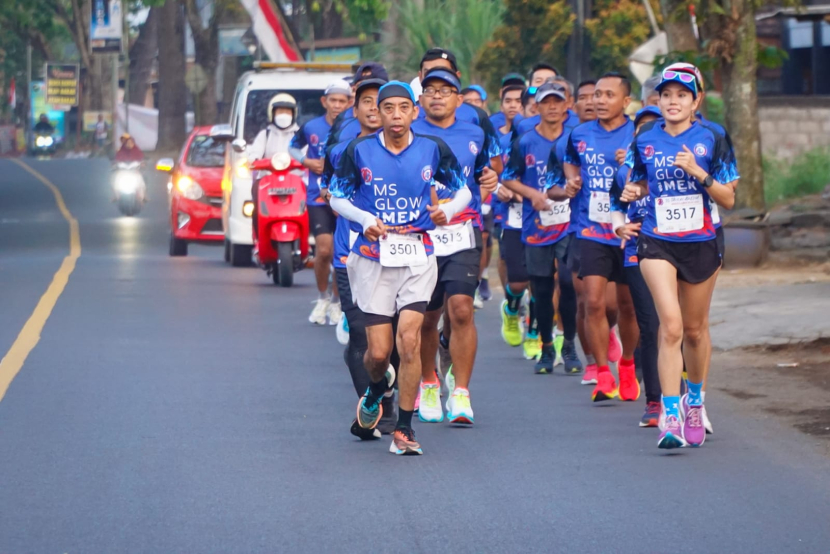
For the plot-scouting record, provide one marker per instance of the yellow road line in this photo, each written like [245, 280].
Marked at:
[30, 334]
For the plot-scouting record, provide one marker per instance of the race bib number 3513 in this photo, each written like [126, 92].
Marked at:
[599, 208]
[402, 251]
[679, 214]
[449, 239]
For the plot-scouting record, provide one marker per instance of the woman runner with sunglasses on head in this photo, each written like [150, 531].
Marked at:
[681, 164]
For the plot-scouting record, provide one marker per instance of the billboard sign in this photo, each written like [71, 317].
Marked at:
[62, 85]
[106, 26]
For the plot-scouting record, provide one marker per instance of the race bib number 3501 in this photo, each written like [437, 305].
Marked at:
[679, 214]
[402, 251]
[558, 213]
[599, 208]
[449, 239]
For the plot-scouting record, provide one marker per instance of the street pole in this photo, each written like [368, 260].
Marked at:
[28, 125]
[114, 100]
[126, 42]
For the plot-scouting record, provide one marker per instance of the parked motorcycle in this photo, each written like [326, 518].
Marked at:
[281, 241]
[128, 185]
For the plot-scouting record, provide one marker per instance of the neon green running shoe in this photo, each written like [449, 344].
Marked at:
[532, 347]
[558, 342]
[511, 331]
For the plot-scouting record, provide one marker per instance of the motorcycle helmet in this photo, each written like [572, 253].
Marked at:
[283, 100]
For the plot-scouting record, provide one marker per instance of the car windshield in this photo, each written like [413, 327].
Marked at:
[206, 152]
[256, 108]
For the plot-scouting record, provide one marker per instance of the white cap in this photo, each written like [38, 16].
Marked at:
[417, 89]
[339, 87]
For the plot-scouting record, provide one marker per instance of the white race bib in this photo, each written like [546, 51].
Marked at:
[713, 209]
[352, 237]
[678, 214]
[402, 250]
[599, 208]
[514, 215]
[556, 214]
[449, 239]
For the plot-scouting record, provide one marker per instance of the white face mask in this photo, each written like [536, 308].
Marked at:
[283, 120]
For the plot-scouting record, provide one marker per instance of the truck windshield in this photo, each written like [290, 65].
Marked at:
[256, 108]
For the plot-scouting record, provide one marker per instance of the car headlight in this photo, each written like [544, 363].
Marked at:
[248, 208]
[242, 169]
[189, 188]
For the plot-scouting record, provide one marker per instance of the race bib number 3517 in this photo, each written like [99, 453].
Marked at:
[679, 214]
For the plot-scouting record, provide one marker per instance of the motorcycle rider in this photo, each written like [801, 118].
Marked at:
[43, 127]
[128, 153]
[275, 138]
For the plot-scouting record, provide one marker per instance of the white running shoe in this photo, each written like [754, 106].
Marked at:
[318, 314]
[478, 301]
[459, 410]
[334, 312]
[342, 331]
[430, 409]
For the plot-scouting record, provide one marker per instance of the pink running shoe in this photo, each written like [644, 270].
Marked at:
[671, 436]
[693, 429]
[614, 347]
[590, 375]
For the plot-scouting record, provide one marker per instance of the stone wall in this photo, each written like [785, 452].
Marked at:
[794, 124]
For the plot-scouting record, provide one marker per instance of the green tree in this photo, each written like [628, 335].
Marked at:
[615, 31]
[462, 26]
[532, 30]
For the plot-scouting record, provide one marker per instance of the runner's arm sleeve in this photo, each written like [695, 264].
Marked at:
[351, 212]
[460, 200]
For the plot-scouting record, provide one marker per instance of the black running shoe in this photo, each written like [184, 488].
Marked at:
[569, 356]
[545, 363]
[364, 434]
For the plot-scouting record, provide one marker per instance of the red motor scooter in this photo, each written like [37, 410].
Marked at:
[281, 241]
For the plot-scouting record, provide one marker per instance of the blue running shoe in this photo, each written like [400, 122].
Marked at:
[369, 413]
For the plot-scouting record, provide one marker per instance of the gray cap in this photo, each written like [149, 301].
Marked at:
[551, 88]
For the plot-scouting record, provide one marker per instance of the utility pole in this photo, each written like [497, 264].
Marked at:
[114, 100]
[28, 125]
[126, 43]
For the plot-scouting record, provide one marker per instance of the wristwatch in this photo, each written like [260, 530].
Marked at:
[708, 182]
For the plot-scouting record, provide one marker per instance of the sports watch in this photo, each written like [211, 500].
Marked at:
[708, 182]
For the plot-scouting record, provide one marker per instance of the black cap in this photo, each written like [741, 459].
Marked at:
[513, 79]
[375, 71]
[367, 83]
[444, 75]
[440, 54]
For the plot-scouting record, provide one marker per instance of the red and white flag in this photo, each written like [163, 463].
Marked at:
[12, 94]
[272, 31]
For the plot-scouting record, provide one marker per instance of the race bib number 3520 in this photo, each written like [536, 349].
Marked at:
[599, 208]
[402, 251]
[679, 214]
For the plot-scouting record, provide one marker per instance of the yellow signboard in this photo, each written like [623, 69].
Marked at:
[62, 85]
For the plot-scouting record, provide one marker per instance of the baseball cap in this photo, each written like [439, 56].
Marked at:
[648, 110]
[366, 83]
[551, 89]
[477, 88]
[396, 89]
[685, 78]
[444, 75]
[689, 68]
[440, 54]
[512, 79]
[338, 87]
[373, 70]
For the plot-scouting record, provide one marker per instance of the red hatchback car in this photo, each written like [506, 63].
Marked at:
[196, 191]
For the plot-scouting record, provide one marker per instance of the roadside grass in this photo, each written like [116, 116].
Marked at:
[807, 174]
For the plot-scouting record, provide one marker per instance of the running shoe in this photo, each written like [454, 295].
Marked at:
[404, 443]
[389, 419]
[484, 289]
[558, 344]
[706, 423]
[606, 388]
[545, 364]
[651, 416]
[318, 314]
[590, 376]
[449, 381]
[532, 348]
[368, 414]
[614, 347]
[629, 385]
[459, 410]
[429, 410]
[671, 435]
[478, 301]
[364, 434]
[694, 427]
[334, 313]
[570, 358]
[511, 332]
[342, 331]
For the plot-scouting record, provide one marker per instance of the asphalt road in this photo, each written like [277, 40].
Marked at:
[180, 405]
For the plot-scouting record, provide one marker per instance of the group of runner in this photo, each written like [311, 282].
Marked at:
[602, 222]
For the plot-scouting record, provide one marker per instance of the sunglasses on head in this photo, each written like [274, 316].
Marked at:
[672, 75]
